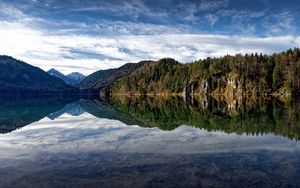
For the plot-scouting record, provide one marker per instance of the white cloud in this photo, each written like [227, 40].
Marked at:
[129, 28]
[68, 49]
[212, 5]
[87, 133]
[283, 22]
[211, 18]
[133, 9]
[37, 47]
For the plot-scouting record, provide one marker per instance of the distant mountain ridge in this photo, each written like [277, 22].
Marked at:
[18, 77]
[101, 80]
[76, 76]
[72, 79]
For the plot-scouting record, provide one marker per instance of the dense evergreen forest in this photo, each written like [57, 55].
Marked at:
[248, 75]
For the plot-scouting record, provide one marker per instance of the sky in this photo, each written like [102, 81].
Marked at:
[86, 36]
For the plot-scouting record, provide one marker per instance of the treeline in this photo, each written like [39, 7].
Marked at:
[168, 113]
[163, 76]
[261, 74]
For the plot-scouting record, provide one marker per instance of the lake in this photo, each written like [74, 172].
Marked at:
[148, 142]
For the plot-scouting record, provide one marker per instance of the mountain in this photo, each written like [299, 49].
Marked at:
[18, 77]
[239, 77]
[91, 81]
[103, 79]
[160, 77]
[56, 73]
[72, 79]
[76, 77]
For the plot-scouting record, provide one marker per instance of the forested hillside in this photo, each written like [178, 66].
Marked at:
[239, 75]
[18, 77]
[163, 76]
[102, 80]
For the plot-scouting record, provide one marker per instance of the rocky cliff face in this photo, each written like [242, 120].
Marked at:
[226, 88]
[235, 93]
[223, 88]
[283, 94]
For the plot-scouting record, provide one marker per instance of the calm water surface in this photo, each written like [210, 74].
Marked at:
[148, 142]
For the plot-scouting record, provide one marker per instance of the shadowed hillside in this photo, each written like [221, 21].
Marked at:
[103, 79]
[17, 77]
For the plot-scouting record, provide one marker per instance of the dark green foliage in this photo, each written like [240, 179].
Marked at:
[276, 76]
[170, 113]
[165, 75]
[265, 74]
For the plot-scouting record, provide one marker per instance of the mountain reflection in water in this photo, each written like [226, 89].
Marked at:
[148, 142]
[163, 113]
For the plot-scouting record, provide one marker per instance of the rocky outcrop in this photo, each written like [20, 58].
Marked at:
[188, 90]
[283, 94]
[229, 89]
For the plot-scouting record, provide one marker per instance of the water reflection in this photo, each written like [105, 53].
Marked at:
[92, 151]
[73, 109]
[168, 113]
[122, 142]
[19, 111]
